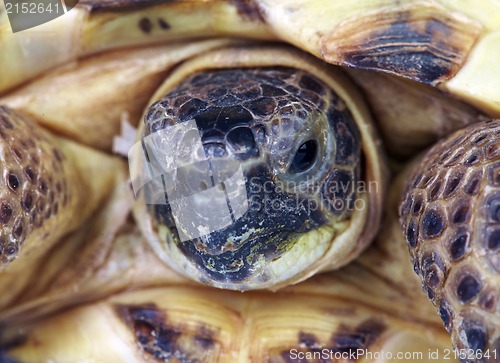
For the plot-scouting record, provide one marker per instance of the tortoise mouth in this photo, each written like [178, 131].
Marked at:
[231, 270]
[235, 266]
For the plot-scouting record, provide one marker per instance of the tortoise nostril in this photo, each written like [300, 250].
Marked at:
[215, 149]
[203, 186]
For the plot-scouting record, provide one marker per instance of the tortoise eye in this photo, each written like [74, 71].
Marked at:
[304, 157]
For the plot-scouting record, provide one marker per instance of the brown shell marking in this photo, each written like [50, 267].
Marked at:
[425, 44]
[164, 341]
[450, 214]
[344, 340]
[248, 10]
[146, 25]
[32, 188]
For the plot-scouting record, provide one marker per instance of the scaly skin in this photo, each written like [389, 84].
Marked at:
[450, 214]
[49, 188]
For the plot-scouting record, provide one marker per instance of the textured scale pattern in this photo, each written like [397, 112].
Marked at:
[245, 112]
[450, 215]
[274, 102]
[32, 189]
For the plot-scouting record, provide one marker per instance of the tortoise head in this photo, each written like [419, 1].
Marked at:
[253, 174]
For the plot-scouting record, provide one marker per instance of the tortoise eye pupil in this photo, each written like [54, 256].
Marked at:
[304, 157]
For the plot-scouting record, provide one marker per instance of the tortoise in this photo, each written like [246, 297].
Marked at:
[305, 98]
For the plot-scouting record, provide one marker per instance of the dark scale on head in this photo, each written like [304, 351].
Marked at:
[488, 300]
[460, 212]
[5, 213]
[29, 158]
[433, 223]
[433, 272]
[477, 140]
[459, 245]
[311, 84]
[467, 288]
[434, 191]
[493, 172]
[491, 228]
[262, 106]
[493, 238]
[282, 126]
[424, 183]
[475, 333]
[30, 174]
[417, 180]
[446, 315]
[473, 158]
[457, 158]
[13, 181]
[473, 184]
[406, 205]
[452, 185]
[417, 205]
[492, 208]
